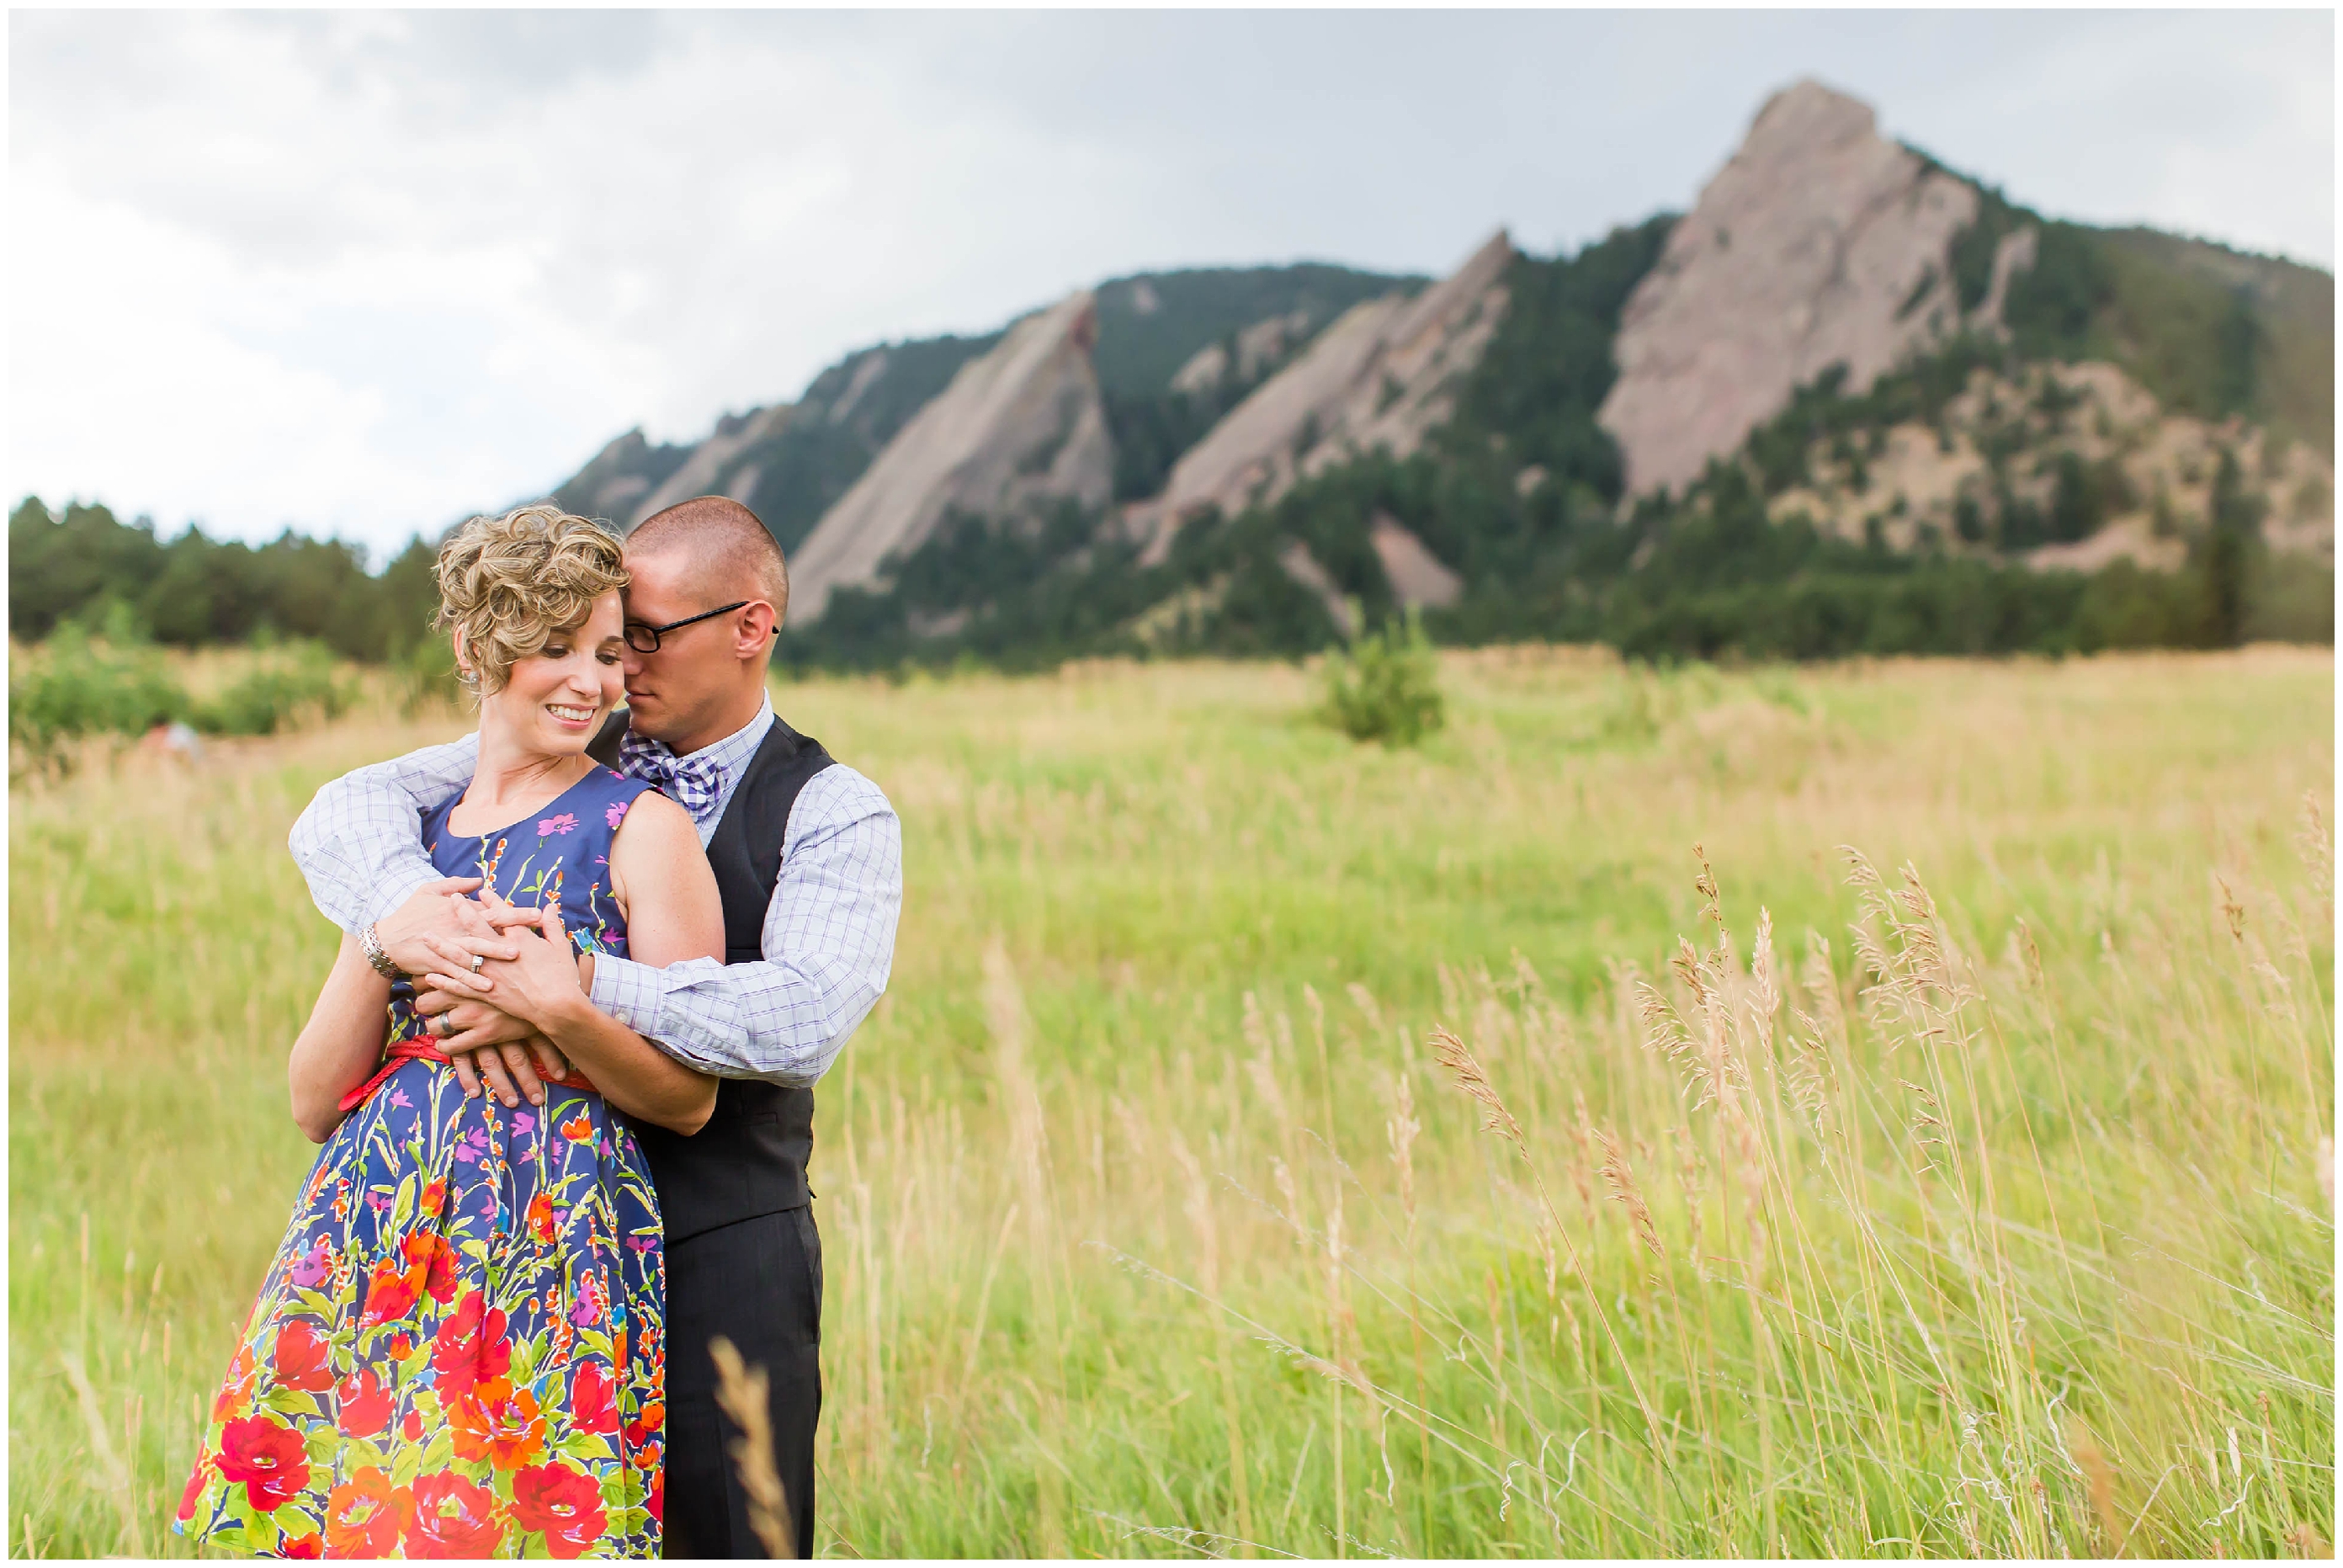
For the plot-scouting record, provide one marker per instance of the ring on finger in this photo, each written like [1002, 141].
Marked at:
[477, 959]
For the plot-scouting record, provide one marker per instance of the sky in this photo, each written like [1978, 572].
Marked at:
[364, 272]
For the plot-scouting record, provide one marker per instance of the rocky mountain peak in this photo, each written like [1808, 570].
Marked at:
[1820, 243]
[1018, 427]
[1381, 376]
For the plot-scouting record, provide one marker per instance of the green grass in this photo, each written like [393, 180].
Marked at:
[2023, 1246]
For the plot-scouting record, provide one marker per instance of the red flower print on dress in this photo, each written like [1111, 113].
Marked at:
[305, 1547]
[300, 1358]
[430, 1266]
[562, 1503]
[234, 1399]
[267, 1456]
[540, 1218]
[556, 827]
[579, 1129]
[195, 1487]
[453, 1517]
[593, 1399]
[365, 1404]
[646, 1426]
[504, 1427]
[471, 1347]
[390, 1298]
[365, 1515]
[412, 1427]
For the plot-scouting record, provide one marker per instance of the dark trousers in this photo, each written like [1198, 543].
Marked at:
[757, 1282]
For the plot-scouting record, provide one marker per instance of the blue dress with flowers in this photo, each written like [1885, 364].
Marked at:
[458, 1351]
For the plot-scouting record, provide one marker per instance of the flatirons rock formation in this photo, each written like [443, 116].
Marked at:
[1383, 375]
[1820, 242]
[710, 460]
[609, 485]
[1017, 430]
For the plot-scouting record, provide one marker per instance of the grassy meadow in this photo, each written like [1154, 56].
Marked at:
[1271, 1145]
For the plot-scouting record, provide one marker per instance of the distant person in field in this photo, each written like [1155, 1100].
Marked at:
[807, 855]
[459, 1348]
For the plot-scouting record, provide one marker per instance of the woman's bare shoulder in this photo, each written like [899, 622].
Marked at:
[656, 823]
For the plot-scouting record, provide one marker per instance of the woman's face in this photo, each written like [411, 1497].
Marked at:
[557, 697]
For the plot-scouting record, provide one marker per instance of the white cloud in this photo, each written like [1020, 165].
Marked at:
[364, 272]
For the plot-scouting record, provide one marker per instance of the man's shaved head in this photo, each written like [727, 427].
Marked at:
[729, 553]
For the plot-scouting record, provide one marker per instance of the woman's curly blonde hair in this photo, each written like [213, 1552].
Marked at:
[507, 585]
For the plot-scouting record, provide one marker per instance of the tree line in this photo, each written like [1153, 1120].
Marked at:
[86, 567]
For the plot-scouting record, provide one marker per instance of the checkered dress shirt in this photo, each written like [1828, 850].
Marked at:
[828, 937]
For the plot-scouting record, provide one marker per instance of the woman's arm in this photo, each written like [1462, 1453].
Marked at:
[665, 885]
[661, 878]
[341, 1045]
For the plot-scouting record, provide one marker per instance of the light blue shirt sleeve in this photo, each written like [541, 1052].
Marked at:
[828, 941]
[359, 845]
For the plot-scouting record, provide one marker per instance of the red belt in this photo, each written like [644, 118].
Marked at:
[415, 1048]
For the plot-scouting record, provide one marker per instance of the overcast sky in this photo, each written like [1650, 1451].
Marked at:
[362, 273]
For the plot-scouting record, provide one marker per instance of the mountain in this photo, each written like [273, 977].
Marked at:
[1820, 243]
[786, 462]
[1379, 377]
[1018, 431]
[803, 457]
[1852, 401]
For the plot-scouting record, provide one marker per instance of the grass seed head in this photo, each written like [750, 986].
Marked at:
[1449, 1052]
[1620, 1177]
[2099, 1477]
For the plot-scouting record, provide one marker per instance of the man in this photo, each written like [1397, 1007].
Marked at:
[809, 860]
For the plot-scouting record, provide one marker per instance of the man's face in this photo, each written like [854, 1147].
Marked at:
[671, 693]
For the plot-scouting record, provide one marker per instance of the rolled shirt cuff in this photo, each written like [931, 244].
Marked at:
[627, 992]
[398, 885]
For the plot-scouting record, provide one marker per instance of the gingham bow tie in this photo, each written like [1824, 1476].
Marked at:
[691, 782]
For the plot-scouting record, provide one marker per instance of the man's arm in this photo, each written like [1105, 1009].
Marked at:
[828, 941]
[359, 845]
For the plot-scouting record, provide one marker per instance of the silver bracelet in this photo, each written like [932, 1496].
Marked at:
[371, 942]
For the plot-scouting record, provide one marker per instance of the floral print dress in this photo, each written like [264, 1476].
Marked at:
[457, 1352]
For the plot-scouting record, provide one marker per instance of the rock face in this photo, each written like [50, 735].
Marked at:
[1820, 242]
[706, 467]
[1017, 430]
[1259, 346]
[1418, 579]
[1383, 375]
[609, 485]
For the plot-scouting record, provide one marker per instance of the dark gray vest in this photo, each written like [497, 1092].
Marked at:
[750, 1159]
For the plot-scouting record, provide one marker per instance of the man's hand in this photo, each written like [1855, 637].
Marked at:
[438, 909]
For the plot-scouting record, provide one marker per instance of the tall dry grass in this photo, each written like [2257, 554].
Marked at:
[1269, 1147]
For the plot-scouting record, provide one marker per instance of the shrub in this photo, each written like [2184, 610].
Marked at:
[427, 675]
[74, 686]
[1386, 686]
[291, 681]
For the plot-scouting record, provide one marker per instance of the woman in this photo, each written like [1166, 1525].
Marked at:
[457, 1352]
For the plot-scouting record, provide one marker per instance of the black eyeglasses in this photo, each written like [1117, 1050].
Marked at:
[646, 639]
